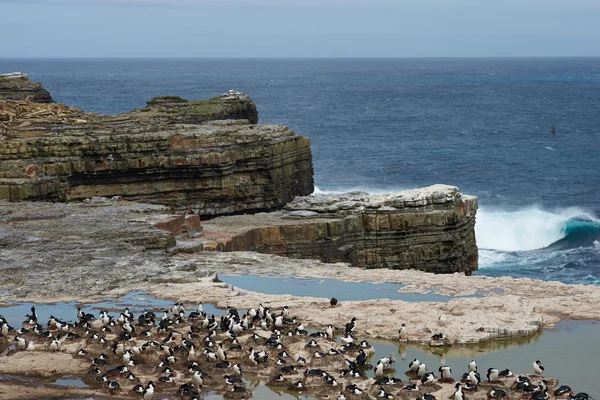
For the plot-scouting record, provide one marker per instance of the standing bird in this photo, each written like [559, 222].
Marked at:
[473, 366]
[538, 368]
[149, 391]
[474, 378]
[459, 394]
[378, 370]
[422, 370]
[492, 374]
[403, 332]
[445, 373]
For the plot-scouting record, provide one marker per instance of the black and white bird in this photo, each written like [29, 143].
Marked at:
[458, 393]
[378, 370]
[538, 368]
[403, 332]
[382, 394]
[354, 389]
[428, 378]
[422, 370]
[414, 365]
[445, 373]
[492, 374]
[543, 395]
[148, 391]
[564, 389]
[474, 378]
[497, 393]
[473, 366]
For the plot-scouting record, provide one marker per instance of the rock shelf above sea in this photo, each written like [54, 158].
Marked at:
[208, 156]
[430, 229]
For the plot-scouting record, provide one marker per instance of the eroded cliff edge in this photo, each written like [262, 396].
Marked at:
[211, 158]
[430, 229]
[207, 156]
[17, 86]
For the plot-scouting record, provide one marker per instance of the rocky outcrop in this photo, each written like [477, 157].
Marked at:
[17, 86]
[208, 156]
[429, 229]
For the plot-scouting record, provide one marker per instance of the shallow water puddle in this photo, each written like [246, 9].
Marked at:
[568, 353]
[70, 381]
[327, 288]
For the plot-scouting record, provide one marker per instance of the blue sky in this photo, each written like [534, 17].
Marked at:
[303, 28]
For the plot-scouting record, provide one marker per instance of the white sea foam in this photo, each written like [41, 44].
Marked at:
[489, 258]
[527, 229]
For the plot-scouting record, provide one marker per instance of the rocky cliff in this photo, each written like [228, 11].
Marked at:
[430, 229]
[208, 156]
[17, 86]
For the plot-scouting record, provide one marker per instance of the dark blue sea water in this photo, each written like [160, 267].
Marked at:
[388, 124]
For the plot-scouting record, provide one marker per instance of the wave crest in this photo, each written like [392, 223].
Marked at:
[533, 228]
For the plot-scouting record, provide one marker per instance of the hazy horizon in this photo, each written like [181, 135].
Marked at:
[299, 58]
[61, 29]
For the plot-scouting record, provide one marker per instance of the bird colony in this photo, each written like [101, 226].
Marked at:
[182, 354]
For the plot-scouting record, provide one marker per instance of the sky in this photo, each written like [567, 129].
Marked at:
[300, 28]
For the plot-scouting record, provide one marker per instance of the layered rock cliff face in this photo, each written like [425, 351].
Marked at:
[430, 229]
[208, 156]
[17, 86]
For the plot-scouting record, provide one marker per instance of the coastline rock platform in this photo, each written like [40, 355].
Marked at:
[17, 86]
[208, 156]
[103, 248]
[429, 229]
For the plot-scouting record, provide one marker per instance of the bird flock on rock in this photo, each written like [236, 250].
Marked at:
[185, 354]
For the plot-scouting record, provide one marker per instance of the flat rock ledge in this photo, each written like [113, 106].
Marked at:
[209, 156]
[17, 86]
[429, 229]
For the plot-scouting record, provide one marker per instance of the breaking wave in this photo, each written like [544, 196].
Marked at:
[533, 229]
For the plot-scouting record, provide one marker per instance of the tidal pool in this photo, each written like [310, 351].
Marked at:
[327, 288]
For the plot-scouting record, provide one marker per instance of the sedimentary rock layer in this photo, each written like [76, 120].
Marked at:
[208, 156]
[430, 229]
[17, 86]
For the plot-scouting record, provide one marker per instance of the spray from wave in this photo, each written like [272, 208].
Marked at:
[533, 228]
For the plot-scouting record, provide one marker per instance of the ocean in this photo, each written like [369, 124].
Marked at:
[380, 125]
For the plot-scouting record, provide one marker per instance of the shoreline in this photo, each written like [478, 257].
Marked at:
[508, 307]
